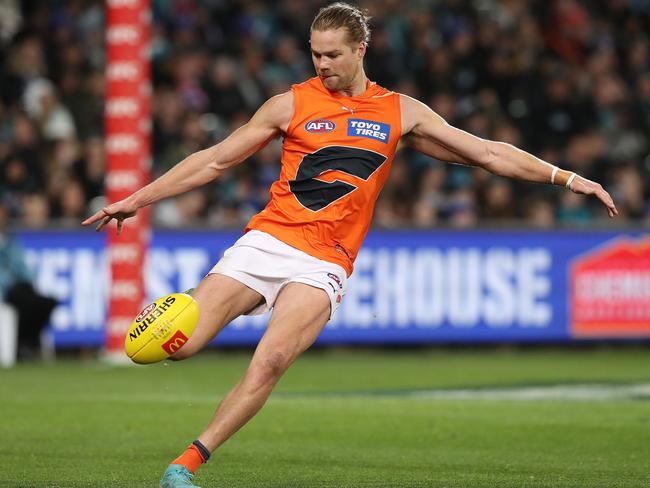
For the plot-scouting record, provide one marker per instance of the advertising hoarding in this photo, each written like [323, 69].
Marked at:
[407, 287]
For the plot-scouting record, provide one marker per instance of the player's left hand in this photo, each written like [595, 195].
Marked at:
[120, 211]
[587, 187]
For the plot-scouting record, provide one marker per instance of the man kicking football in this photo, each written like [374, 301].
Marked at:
[340, 132]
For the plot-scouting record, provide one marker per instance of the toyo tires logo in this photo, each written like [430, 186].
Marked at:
[609, 291]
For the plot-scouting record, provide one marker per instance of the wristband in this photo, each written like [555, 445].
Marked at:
[555, 169]
[571, 178]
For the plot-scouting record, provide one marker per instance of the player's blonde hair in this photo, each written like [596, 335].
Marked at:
[342, 14]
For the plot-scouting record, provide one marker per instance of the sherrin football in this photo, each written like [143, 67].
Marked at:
[162, 328]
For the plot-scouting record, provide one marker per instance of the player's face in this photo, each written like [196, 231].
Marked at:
[337, 62]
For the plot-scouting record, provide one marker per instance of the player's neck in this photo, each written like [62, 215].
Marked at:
[358, 86]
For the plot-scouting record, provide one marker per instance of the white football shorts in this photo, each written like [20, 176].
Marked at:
[266, 264]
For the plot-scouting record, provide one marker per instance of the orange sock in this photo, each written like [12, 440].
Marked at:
[191, 458]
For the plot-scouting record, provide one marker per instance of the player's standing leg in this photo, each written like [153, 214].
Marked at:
[299, 315]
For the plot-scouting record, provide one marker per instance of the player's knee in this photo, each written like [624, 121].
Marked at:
[270, 366]
[277, 362]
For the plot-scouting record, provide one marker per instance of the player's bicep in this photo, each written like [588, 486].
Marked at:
[432, 132]
[433, 149]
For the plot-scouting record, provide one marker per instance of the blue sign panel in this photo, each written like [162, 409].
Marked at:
[370, 129]
[407, 287]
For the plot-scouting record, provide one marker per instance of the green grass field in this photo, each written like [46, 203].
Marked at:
[340, 418]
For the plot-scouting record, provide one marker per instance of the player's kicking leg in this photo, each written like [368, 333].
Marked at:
[299, 315]
[221, 299]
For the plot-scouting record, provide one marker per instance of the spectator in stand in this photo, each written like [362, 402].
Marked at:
[16, 290]
[223, 89]
[12, 261]
[539, 212]
[563, 78]
[35, 211]
[498, 201]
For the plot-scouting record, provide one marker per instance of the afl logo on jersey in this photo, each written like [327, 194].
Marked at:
[320, 126]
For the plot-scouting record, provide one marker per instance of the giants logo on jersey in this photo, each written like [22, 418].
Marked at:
[320, 126]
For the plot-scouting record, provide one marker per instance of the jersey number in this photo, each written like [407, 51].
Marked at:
[316, 194]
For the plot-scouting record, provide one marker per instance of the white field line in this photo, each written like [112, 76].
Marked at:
[561, 392]
[576, 392]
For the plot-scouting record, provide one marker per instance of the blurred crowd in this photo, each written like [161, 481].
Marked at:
[567, 80]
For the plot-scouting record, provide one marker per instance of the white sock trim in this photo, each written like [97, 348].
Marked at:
[555, 170]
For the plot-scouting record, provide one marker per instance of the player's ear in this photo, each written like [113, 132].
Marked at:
[361, 51]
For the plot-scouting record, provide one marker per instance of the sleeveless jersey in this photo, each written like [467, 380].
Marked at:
[336, 156]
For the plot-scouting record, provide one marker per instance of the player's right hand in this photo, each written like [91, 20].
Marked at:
[120, 211]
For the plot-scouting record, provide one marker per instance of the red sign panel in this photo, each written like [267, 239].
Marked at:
[609, 291]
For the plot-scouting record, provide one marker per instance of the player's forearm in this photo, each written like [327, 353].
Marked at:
[194, 171]
[205, 166]
[506, 160]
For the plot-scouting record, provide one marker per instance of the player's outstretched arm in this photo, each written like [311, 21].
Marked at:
[430, 134]
[204, 166]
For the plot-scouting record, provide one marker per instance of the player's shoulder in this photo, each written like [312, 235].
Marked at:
[281, 101]
[312, 83]
[277, 110]
[412, 112]
[410, 103]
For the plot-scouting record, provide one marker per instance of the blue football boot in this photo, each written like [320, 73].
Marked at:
[177, 476]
